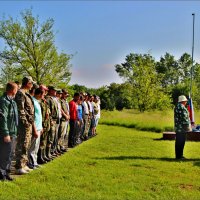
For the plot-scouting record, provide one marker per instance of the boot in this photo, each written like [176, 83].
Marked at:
[48, 153]
[63, 149]
[44, 156]
[40, 159]
[59, 149]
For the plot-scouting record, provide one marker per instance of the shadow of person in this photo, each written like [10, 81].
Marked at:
[197, 163]
[147, 158]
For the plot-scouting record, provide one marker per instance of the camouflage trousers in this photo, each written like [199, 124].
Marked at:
[86, 127]
[79, 130]
[23, 145]
[62, 134]
[51, 134]
[43, 139]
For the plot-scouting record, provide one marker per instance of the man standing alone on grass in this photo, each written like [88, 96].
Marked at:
[8, 129]
[182, 125]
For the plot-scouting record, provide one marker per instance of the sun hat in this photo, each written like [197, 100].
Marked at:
[182, 98]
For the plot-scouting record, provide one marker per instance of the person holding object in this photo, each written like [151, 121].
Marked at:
[182, 125]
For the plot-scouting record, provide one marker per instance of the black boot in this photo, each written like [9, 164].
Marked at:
[44, 155]
[2, 177]
[40, 159]
[48, 153]
[8, 177]
[63, 149]
[59, 149]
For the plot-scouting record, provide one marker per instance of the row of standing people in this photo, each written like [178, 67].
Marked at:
[34, 125]
[85, 114]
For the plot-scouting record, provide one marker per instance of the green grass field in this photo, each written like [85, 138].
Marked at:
[155, 121]
[149, 121]
[118, 164]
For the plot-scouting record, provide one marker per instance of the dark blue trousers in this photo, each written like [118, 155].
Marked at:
[72, 133]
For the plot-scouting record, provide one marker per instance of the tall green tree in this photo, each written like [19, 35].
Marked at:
[30, 48]
[140, 71]
[185, 64]
[168, 69]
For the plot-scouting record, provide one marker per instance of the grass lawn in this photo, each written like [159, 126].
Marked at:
[120, 163]
[155, 121]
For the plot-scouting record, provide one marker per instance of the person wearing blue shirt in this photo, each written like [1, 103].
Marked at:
[79, 120]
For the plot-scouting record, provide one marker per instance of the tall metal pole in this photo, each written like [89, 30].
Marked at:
[192, 68]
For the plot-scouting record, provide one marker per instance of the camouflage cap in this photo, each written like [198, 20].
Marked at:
[51, 87]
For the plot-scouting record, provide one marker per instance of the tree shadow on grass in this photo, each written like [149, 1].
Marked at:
[197, 163]
[197, 160]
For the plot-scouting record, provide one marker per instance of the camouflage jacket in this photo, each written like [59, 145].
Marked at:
[25, 107]
[46, 115]
[53, 107]
[64, 108]
[181, 119]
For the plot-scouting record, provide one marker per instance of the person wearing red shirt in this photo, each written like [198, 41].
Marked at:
[73, 120]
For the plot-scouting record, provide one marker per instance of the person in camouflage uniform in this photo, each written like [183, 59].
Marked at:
[46, 124]
[62, 134]
[26, 119]
[182, 125]
[54, 118]
[56, 146]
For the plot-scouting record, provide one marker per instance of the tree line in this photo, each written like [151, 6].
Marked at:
[148, 84]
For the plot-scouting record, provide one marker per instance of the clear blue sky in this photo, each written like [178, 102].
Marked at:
[101, 33]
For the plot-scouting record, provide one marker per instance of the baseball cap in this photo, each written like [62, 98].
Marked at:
[51, 87]
[26, 79]
[43, 87]
[59, 91]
